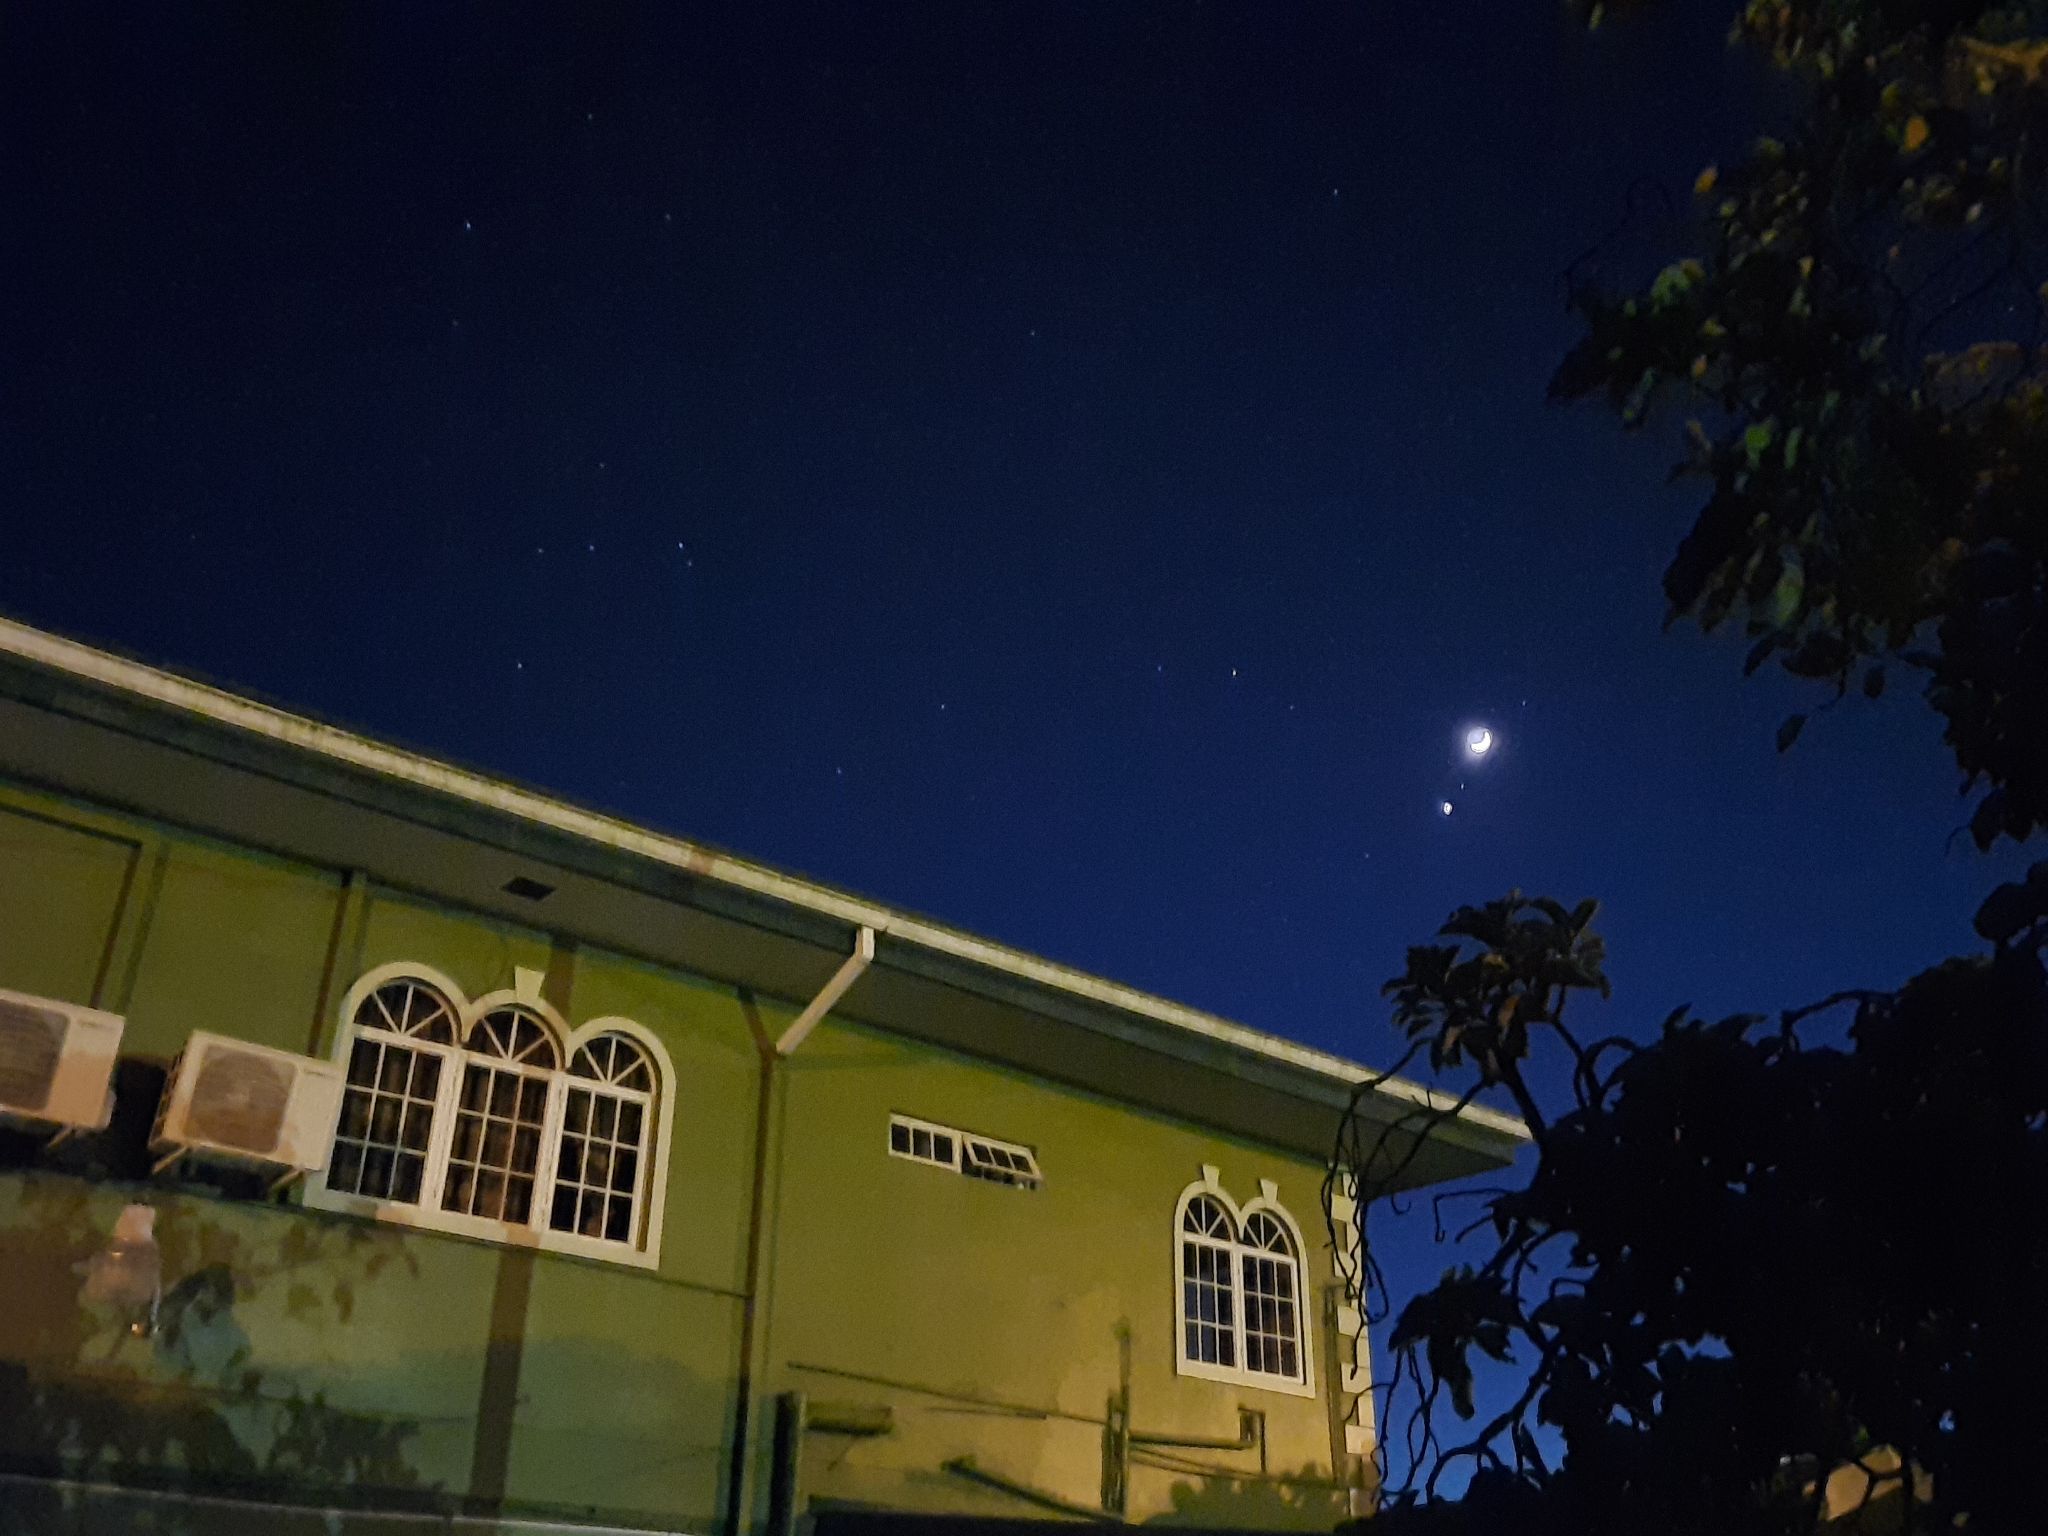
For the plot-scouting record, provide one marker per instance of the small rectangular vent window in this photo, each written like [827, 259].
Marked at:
[978, 1157]
[527, 890]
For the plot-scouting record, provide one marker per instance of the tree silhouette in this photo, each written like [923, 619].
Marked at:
[1853, 319]
[1774, 1269]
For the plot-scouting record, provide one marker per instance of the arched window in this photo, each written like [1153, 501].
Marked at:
[605, 1125]
[482, 1117]
[500, 1117]
[1272, 1285]
[1239, 1307]
[405, 1034]
[1207, 1245]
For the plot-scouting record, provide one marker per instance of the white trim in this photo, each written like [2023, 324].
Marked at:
[1210, 1184]
[644, 1249]
[959, 1140]
[221, 707]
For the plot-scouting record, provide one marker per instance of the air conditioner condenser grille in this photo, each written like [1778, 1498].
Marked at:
[31, 1046]
[239, 1100]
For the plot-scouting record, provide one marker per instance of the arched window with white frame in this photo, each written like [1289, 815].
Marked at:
[1272, 1297]
[1239, 1313]
[493, 1118]
[605, 1125]
[501, 1115]
[1208, 1248]
[405, 1034]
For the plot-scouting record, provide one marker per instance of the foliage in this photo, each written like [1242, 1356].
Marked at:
[1745, 1258]
[1856, 332]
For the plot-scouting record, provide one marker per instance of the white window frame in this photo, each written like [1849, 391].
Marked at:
[643, 1250]
[1267, 1203]
[1034, 1178]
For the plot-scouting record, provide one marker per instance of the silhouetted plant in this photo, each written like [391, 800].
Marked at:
[1854, 320]
[1744, 1259]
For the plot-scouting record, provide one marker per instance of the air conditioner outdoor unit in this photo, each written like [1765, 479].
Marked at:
[232, 1101]
[56, 1063]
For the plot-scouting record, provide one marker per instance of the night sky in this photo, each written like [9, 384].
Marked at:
[1074, 470]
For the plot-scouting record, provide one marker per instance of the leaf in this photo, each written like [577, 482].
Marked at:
[1704, 182]
[1988, 820]
[1789, 731]
[1916, 134]
[1786, 594]
[1757, 440]
[2008, 910]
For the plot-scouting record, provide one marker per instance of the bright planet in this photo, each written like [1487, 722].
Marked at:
[1479, 741]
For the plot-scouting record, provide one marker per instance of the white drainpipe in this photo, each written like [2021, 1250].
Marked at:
[848, 973]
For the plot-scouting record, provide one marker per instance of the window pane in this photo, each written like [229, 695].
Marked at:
[1272, 1324]
[493, 1160]
[362, 1063]
[899, 1138]
[379, 1116]
[355, 1115]
[419, 1120]
[411, 1171]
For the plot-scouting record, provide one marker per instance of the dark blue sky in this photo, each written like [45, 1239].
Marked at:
[1071, 469]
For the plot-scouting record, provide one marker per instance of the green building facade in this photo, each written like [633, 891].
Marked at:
[661, 1190]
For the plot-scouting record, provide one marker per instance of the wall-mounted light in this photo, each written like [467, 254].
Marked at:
[127, 1275]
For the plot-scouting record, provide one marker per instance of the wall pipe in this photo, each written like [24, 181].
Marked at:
[739, 1473]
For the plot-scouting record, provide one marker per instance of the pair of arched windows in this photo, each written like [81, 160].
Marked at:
[1240, 1307]
[486, 1116]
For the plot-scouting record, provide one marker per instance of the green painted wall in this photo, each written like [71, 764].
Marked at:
[889, 1271]
[236, 943]
[61, 885]
[306, 1349]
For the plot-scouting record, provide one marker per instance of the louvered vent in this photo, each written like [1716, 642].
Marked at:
[239, 1100]
[31, 1046]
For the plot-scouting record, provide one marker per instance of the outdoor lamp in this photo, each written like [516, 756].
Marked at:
[127, 1275]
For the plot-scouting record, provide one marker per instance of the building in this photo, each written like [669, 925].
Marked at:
[647, 1188]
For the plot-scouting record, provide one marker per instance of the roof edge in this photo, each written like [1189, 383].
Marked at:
[234, 711]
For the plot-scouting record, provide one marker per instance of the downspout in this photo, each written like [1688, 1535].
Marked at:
[771, 1053]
